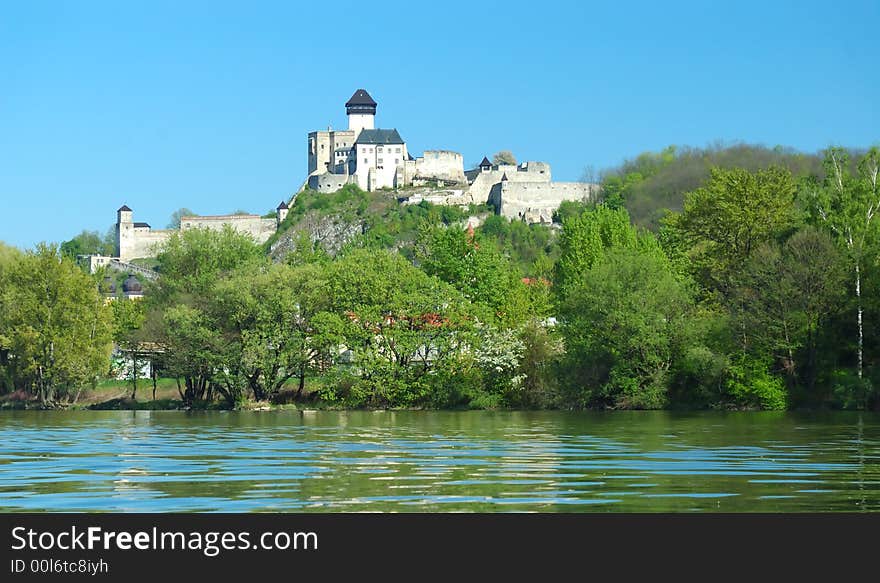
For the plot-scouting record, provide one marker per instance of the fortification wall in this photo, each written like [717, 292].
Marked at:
[144, 242]
[328, 182]
[535, 202]
[254, 225]
[530, 172]
[440, 165]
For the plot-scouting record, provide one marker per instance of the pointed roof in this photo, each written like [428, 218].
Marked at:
[485, 162]
[360, 97]
[282, 206]
[504, 177]
[124, 208]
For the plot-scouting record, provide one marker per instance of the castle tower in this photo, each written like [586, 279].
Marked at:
[361, 111]
[124, 232]
[282, 213]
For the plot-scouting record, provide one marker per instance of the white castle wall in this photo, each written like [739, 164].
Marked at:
[328, 182]
[481, 188]
[254, 225]
[439, 164]
[535, 202]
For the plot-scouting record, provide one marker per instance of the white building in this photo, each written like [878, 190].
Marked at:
[364, 155]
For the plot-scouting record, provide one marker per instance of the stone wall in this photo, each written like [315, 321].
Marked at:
[535, 202]
[143, 242]
[254, 225]
[440, 164]
[482, 184]
[328, 182]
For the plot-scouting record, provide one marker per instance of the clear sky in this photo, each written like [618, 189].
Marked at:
[207, 105]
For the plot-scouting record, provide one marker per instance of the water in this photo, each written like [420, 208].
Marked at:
[438, 461]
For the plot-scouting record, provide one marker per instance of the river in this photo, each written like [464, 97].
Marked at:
[143, 461]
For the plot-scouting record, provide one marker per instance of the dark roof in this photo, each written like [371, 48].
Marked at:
[360, 97]
[379, 137]
[132, 285]
[485, 162]
[147, 225]
[124, 208]
[282, 206]
[504, 177]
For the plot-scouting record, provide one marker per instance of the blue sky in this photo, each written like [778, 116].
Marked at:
[207, 104]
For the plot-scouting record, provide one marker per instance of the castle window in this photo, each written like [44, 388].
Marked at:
[397, 160]
[366, 161]
[397, 150]
[380, 160]
[380, 149]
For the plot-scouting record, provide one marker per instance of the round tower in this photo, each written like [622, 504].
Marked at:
[361, 111]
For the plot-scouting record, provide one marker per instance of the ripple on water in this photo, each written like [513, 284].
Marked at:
[104, 461]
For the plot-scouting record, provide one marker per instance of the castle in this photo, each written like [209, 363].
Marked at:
[374, 159]
[140, 240]
[378, 158]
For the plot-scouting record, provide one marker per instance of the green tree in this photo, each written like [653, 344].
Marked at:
[278, 327]
[174, 221]
[128, 318]
[587, 237]
[55, 325]
[737, 210]
[90, 243]
[192, 264]
[847, 205]
[621, 328]
[786, 292]
[406, 330]
[474, 268]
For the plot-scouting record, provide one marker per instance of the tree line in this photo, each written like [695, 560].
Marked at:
[760, 293]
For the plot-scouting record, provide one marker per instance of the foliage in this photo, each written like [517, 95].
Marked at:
[724, 221]
[402, 326]
[751, 385]
[587, 237]
[55, 329]
[653, 184]
[275, 327]
[621, 325]
[174, 221]
[504, 157]
[90, 243]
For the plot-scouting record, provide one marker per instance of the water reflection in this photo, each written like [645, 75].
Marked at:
[438, 461]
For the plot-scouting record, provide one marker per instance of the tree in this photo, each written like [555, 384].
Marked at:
[737, 210]
[174, 221]
[406, 330]
[847, 206]
[277, 327]
[621, 325]
[504, 157]
[53, 323]
[587, 237]
[192, 263]
[89, 243]
[128, 318]
[786, 291]
[474, 268]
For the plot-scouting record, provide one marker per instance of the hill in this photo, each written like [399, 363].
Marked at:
[654, 182]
